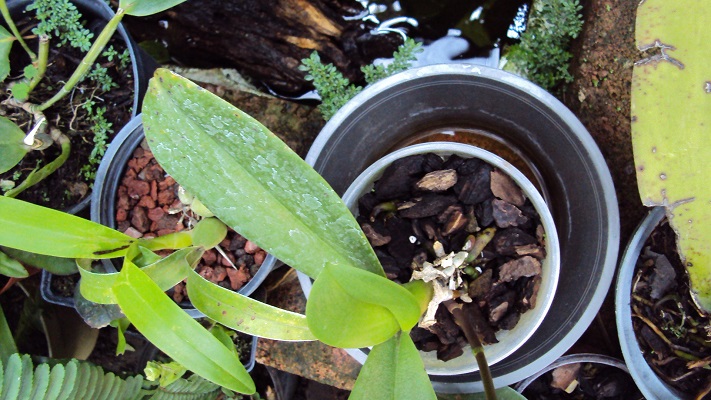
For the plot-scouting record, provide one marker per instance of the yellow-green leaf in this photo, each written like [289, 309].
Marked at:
[6, 40]
[393, 371]
[671, 126]
[244, 314]
[41, 230]
[175, 333]
[12, 147]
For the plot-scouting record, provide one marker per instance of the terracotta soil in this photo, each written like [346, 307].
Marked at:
[147, 206]
[67, 186]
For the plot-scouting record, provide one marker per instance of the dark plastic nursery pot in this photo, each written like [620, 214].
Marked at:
[142, 69]
[514, 117]
[103, 204]
[651, 385]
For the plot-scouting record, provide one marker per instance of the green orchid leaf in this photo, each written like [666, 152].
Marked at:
[209, 232]
[11, 267]
[175, 333]
[55, 265]
[39, 174]
[166, 273]
[393, 371]
[41, 230]
[175, 240]
[349, 307]
[244, 314]
[671, 126]
[6, 40]
[7, 342]
[298, 218]
[121, 325]
[12, 147]
[141, 8]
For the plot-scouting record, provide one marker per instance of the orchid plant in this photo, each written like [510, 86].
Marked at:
[250, 180]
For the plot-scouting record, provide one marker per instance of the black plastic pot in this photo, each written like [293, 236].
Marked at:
[544, 135]
[651, 385]
[142, 69]
[103, 203]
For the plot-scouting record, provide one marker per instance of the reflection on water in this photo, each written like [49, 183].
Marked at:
[473, 29]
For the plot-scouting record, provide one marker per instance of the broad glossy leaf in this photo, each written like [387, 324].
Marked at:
[671, 126]
[141, 8]
[244, 314]
[166, 273]
[347, 308]
[209, 232]
[11, 267]
[12, 147]
[393, 371]
[6, 40]
[55, 265]
[175, 333]
[250, 179]
[41, 230]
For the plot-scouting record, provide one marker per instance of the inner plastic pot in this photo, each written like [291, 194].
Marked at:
[511, 340]
[572, 175]
[103, 203]
[651, 385]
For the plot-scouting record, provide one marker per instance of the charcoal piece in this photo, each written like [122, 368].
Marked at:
[457, 240]
[401, 246]
[418, 334]
[663, 278]
[376, 233]
[479, 323]
[506, 240]
[366, 204]
[437, 181]
[529, 210]
[429, 227]
[452, 219]
[419, 259]
[658, 345]
[509, 321]
[449, 352]
[476, 187]
[398, 177]
[480, 286]
[484, 212]
[470, 166]
[429, 205]
[446, 329]
[432, 162]
[472, 223]
[507, 215]
[499, 306]
[453, 162]
[430, 345]
[522, 267]
[503, 187]
[530, 293]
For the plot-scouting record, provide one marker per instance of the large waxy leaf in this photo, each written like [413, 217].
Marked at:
[349, 307]
[6, 40]
[175, 333]
[671, 114]
[12, 147]
[165, 273]
[41, 230]
[250, 179]
[141, 8]
[11, 267]
[393, 371]
[244, 314]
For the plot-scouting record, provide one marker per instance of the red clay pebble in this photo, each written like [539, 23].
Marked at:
[132, 232]
[209, 257]
[250, 247]
[146, 201]
[238, 277]
[139, 220]
[155, 214]
[121, 215]
[179, 292]
[259, 257]
[136, 189]
[220, 273]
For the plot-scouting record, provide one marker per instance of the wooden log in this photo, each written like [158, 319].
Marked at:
[266, 39]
